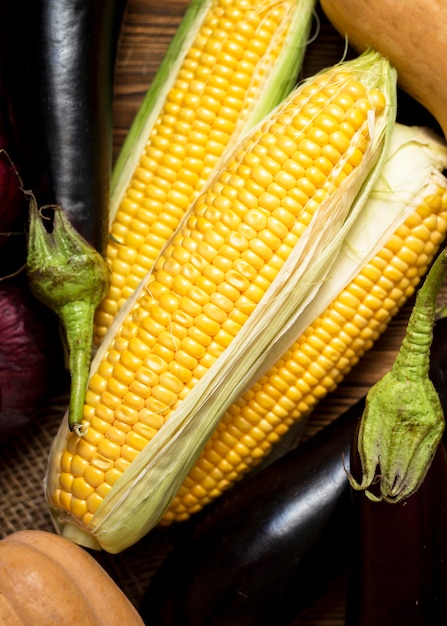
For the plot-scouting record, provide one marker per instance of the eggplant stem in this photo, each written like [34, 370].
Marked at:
[68, 275]
[413, 358]
[75, 316]
[403, 420]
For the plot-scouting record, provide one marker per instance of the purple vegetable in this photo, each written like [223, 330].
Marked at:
[28, 355]
[399, 478]
[57, 69]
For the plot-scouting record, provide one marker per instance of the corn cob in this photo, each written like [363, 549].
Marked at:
[230, 63]
[318, 361]
[253, 251]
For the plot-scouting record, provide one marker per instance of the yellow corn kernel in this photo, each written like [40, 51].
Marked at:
[243, 255]
[318, 360]
[210, 103]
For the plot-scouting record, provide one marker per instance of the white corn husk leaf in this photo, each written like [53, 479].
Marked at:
[142, 494]
[278, 79]
[412, 172]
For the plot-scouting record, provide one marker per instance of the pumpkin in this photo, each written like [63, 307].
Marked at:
[46, 579]
[412, 35]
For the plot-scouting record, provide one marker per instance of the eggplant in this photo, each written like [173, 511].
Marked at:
[57, 62]
[268, 547]
[399, 480]
[398, 572]
[28, 354]
[57, 66]
[265, 550]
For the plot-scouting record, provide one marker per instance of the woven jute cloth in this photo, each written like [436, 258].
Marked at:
[23, 463]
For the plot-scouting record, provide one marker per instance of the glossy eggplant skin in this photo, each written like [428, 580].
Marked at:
[399, 569]
[57, 66]
[399, 551]
[268, 547]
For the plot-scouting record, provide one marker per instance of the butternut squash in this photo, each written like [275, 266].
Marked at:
[412, 35]
[47, 580]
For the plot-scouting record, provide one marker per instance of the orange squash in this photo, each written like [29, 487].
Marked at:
[412, 35]
[47, 580]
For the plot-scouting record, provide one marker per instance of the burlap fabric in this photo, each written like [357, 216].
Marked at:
[23, 506]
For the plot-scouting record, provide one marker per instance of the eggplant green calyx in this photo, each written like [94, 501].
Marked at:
[403, 420]
[68, 275]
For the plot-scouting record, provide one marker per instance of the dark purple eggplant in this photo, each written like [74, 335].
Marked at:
[57, 67]
[57, 62]
[399, 480]
[268, 547]
[28, 353]
[399, 567]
